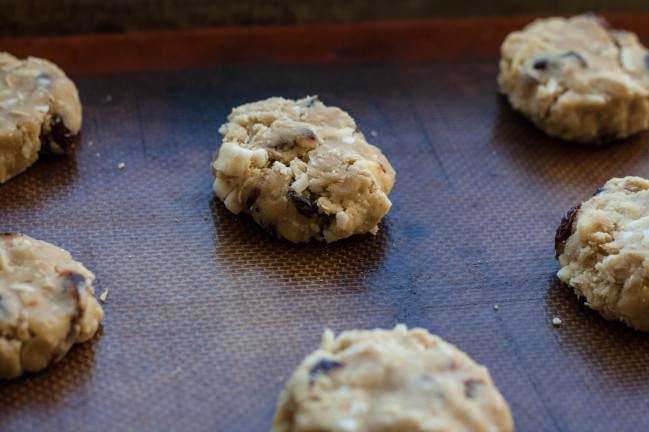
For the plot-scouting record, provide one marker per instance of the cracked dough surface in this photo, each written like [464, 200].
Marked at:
[395, 380]
[39, 112]
[577, 79]
[302, 170]
[47, 304]
[603, 250]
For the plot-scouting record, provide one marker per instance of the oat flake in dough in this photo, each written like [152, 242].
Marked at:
[603, 249]
[47, 304]
[577, 79]
[302, 170]
[396, 380]
[40, 112]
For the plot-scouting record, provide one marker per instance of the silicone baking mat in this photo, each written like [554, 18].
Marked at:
[207, 315]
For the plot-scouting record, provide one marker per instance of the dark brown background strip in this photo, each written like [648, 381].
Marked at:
[38, 17]
[392, 42]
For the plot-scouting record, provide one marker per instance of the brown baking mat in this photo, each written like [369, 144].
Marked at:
[207, 315]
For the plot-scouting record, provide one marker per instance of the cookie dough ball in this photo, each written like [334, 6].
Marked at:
[396, 380]
[577, 79]
[603, 249]
[302, 170]
[39, 112]
[47, 304]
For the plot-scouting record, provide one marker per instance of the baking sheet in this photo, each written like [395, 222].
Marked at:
[207, 315]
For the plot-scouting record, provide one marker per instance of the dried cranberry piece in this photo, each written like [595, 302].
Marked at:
[565, 230]
[304, 205]
[324, 366]
[60, 133]
[59, 139]
[540, 64]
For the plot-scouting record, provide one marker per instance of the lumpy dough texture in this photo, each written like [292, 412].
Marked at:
[396, 380]
[47, 304]
[302, 170]
[603, 250]
[39, 112]
[577, 79]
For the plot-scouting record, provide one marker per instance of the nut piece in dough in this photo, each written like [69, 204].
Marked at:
[47, 304]
[302, 170]
[577, 79]
[603, 249]
[396, 380]
[40, 112]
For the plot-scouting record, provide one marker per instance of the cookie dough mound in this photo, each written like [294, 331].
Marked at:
[302, 170]
[603, 249]
[47, 304]
[39, 112]
[396, 380]
[577, 79]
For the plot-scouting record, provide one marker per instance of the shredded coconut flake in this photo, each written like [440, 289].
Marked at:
[104, 296]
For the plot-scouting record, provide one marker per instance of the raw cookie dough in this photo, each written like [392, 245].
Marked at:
[302, 170]
[603, 249]
[396, 380]
[577, 79]
[39, 112]
[47, 304]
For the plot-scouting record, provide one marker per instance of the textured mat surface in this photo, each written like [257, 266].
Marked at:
[207, 315]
